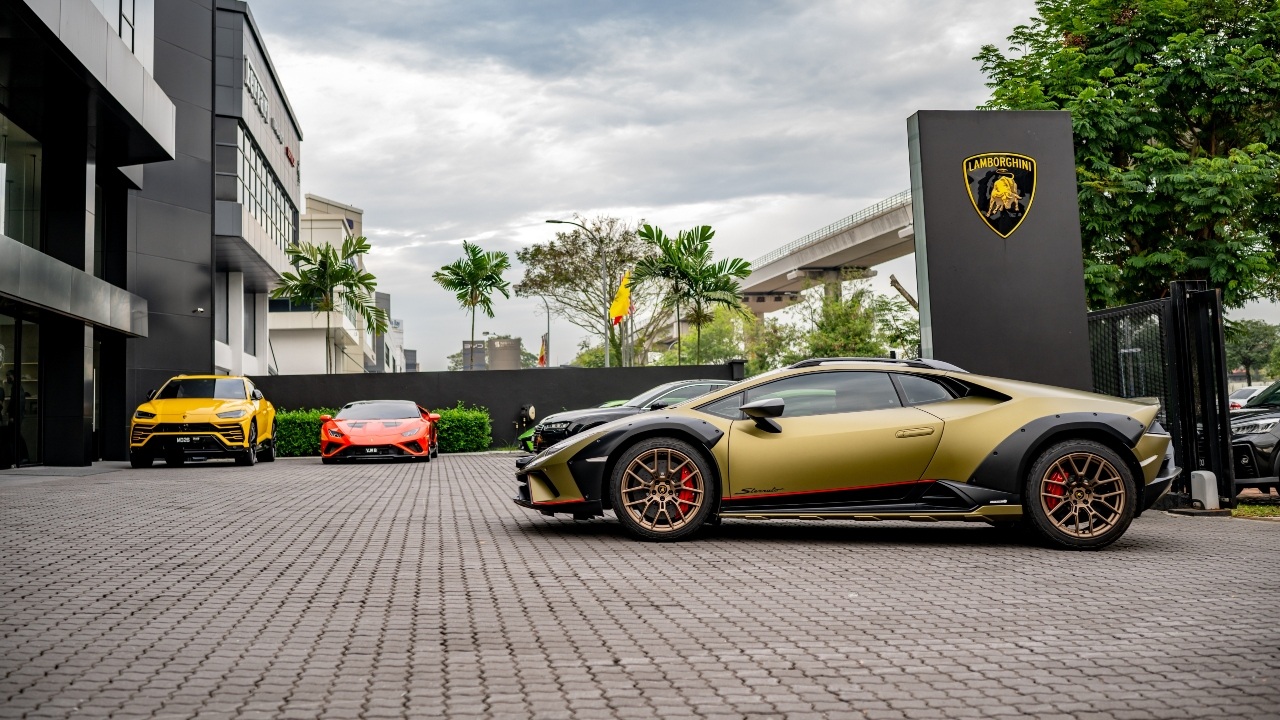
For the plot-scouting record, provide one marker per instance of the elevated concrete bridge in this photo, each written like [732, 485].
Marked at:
[869, 237]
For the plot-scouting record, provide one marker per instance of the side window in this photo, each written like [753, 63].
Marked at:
[679, 395]
[825, 393]
[920, 390]
[725, 407]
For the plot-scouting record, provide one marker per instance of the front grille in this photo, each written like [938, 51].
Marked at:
[233, 434]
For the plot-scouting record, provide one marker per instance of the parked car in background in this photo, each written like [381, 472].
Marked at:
[525, 441]
[554, 428]
[379, 429]
[198, 417]
[867, 440]
[1238, 398]
[1255, 435]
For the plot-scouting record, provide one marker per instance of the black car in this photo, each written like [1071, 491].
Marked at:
[559, 426]
[1255, 434]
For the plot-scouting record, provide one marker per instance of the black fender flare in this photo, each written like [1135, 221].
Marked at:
[593, 463]
[1005, 468]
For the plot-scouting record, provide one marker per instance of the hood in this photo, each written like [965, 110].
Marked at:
[1254, 413]
[380, 431]
[591, 415]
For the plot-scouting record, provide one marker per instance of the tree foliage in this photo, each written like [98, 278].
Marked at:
[567, 273]
[1174, 109]
[329, 278]
[474, 278]
[1249, 345]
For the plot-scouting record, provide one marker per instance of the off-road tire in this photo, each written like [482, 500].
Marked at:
[665, 508]
[1096, 484]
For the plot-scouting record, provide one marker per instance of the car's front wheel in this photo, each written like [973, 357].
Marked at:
[138, 460]
[249, 456]
[1080, 495]
[662, 489]
[268, 451]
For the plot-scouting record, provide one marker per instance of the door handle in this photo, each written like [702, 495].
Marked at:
[914, 432]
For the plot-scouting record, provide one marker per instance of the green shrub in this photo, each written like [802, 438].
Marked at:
[298, 432]
[464, 429]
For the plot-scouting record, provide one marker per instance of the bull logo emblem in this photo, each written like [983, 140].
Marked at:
[1001, 188]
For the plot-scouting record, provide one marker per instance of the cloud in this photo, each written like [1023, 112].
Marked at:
[477, 120]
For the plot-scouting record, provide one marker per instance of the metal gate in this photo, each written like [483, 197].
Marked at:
[1172, 351]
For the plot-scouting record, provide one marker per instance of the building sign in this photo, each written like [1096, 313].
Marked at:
[1001, 188]
[257, 93]
[288, 153]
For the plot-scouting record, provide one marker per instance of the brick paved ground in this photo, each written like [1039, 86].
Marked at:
[300, 591]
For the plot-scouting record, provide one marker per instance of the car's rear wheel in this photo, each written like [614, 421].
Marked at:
[268, 451]
[435, 449]
[250, 456]
[661, 489]
[1080, 495]
[138, 460]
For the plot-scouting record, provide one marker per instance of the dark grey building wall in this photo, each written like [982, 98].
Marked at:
[170, 263]
[503, 392]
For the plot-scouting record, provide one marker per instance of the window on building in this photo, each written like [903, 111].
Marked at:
[261, 192]
[21, 158]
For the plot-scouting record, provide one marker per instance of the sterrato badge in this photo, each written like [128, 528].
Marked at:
[1001, 187]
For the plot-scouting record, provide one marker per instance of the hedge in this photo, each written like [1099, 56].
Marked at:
[461, 429]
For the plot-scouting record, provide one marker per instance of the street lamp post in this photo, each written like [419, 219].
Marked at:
[604, 277]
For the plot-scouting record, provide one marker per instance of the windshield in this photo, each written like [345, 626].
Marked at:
[205, 388]
[1270, 396]
[379, 411]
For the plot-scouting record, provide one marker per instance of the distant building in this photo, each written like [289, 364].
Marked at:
[298, 331]
[411, 361]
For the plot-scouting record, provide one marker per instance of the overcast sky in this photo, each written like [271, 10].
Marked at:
[477, 120]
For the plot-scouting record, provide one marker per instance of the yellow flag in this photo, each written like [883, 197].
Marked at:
[622, 300]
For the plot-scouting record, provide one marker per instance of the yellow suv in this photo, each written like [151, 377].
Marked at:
[197, 417]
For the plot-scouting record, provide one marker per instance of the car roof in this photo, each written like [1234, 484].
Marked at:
[209, 377]
[363, 402]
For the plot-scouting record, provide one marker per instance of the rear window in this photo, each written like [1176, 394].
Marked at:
[204, 388]
[921, 390]
[1243, 393]
[380, 411]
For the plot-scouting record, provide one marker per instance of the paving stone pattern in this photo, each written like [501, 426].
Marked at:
[297, 590]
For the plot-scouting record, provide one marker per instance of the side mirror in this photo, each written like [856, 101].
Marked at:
[762, 413]
[433, 417]
[151, 394]
[658, 405]
[326, 418]
[257, 394]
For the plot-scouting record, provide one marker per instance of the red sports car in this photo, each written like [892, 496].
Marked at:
[379, 429]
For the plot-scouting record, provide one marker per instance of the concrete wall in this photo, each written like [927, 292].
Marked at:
[503, 392]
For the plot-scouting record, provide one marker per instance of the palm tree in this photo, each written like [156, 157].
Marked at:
[695, 279]
[326, 277]
[473, 278]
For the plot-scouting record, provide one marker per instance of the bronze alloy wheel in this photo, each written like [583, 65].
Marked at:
[660, 489]
[1083, 494]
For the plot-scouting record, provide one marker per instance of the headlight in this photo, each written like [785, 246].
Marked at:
[561, 425]
[409, 433]
[1256, 427]
[144, 415]
[334, 433]
[233, 414]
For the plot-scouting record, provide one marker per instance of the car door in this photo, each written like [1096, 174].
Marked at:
[845, 437]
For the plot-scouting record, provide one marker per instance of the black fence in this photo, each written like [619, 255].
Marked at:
[503, 392]
[1172, 351]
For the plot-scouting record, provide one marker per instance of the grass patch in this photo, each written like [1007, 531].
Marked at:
[1257, 507]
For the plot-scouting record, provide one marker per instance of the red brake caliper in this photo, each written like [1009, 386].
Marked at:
[1057, 487]
[686, 492]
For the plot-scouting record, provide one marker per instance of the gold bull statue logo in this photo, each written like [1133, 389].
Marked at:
[1004, 194]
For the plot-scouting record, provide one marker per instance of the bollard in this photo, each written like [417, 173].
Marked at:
[1204, 490]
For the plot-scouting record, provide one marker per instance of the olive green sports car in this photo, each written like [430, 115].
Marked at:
[866, 439]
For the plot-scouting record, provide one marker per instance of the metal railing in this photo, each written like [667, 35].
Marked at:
[889, 203]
